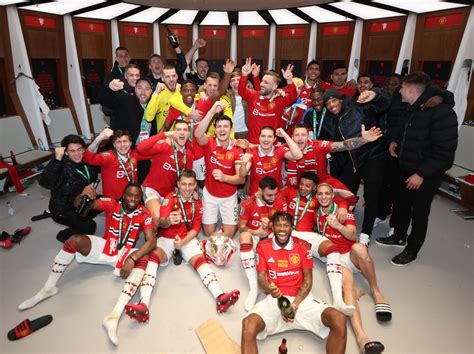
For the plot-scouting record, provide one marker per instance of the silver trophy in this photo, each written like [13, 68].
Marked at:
[219, 248]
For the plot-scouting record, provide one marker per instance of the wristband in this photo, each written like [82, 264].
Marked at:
[133, 259]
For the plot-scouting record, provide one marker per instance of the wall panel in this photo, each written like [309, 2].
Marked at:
[292, 47]
[253, 41]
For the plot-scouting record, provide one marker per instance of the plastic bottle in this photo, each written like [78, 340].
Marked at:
[10, 209]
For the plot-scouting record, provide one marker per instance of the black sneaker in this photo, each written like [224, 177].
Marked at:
[403, 258]
[393, 240]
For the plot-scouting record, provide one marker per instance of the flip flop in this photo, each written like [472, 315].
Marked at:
[46, 214]
[373, 347]
[27, 327]
[383, 312]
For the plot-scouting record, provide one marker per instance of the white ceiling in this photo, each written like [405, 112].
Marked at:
[277, 10]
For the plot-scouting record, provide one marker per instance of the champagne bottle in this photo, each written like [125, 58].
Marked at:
[284, 305]
[177, 256]
[83, 208]
[172, 38]
[282, 349]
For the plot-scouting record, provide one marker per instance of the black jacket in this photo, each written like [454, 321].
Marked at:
[347, 124]
[65, 183]
[428, 138]
[127, 111]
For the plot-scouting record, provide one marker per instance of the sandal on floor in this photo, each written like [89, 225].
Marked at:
[373, 347]
[27, 327]
[46, 214]
[383, 312]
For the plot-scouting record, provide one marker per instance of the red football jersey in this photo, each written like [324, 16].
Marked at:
[314, 159]
[266, 165]
[343, 91]
[334, 235]
[163, 175]
[175, 115]
[306, 221]
[263, 111]
[285, 266]
[253, 209]
[140, 217]
[171, 203]
[114, 177]
[221, 159]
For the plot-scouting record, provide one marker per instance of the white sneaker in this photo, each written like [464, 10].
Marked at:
[378, 221]
[390, 232]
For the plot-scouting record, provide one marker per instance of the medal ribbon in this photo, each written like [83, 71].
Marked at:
[297, 208]
[124, 239]
[86, 175]
[176, 160]
[191, 122]
[315, 122]
[183, 209]
[122, 165]
[332, 211]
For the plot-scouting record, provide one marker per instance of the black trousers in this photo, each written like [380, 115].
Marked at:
[76, 224]
[389, 191]
[414, 206]
[372, 174]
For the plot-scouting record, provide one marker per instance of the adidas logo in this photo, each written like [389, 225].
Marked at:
[271, 260]
[256, 214]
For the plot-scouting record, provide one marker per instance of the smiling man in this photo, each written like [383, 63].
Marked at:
[285, 269]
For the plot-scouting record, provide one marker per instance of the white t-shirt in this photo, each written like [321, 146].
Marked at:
[239, 116]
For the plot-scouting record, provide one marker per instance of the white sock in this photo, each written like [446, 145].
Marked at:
[364, 239]
[129, 289]
[110, 324]
[390, 232]
[248, 263]
[209, 280]
[334, 271]
[148, 282]
[61, 261]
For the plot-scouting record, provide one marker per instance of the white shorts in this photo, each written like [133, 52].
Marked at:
[227, 207]
[199, 167]
[308, 317]
[188, 251]
[150, 194]
[97, 255]
[345, 261]
[313, 238]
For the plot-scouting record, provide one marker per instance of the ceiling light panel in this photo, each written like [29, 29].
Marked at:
[182, 17]
[147, 16]
[216, 18]
[420, 6]
[365, 12]
[321, 15]
[285, 17]
[251, 18]
[62, 7]
[109, 12]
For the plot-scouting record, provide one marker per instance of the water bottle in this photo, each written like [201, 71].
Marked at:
[10, 208]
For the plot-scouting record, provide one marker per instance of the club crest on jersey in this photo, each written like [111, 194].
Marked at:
[294, 259]
[271, 105]
[229, 155]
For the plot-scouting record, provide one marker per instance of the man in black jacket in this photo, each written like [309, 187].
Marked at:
[424, 142]
[343, 121]
[69, 179]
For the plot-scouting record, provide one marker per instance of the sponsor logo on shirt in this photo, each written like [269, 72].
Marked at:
[282, 263]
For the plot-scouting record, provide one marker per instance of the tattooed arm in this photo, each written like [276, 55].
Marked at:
[104, 134]
[353, 143]
[304, 289]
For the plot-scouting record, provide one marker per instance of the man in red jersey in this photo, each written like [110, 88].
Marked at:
[223, 160]
[170, 157]
[180, 223]
[264, 107]
[355, 258]
[125, 219]
[285, 269]
[339, 81]
[302, 205]
[266, 159]
[118, 167]
[314, 158]
[254, 224]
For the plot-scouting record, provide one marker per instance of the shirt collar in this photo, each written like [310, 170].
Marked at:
[229, 147]
[288, 247]
[261, 153]
[260, 202]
